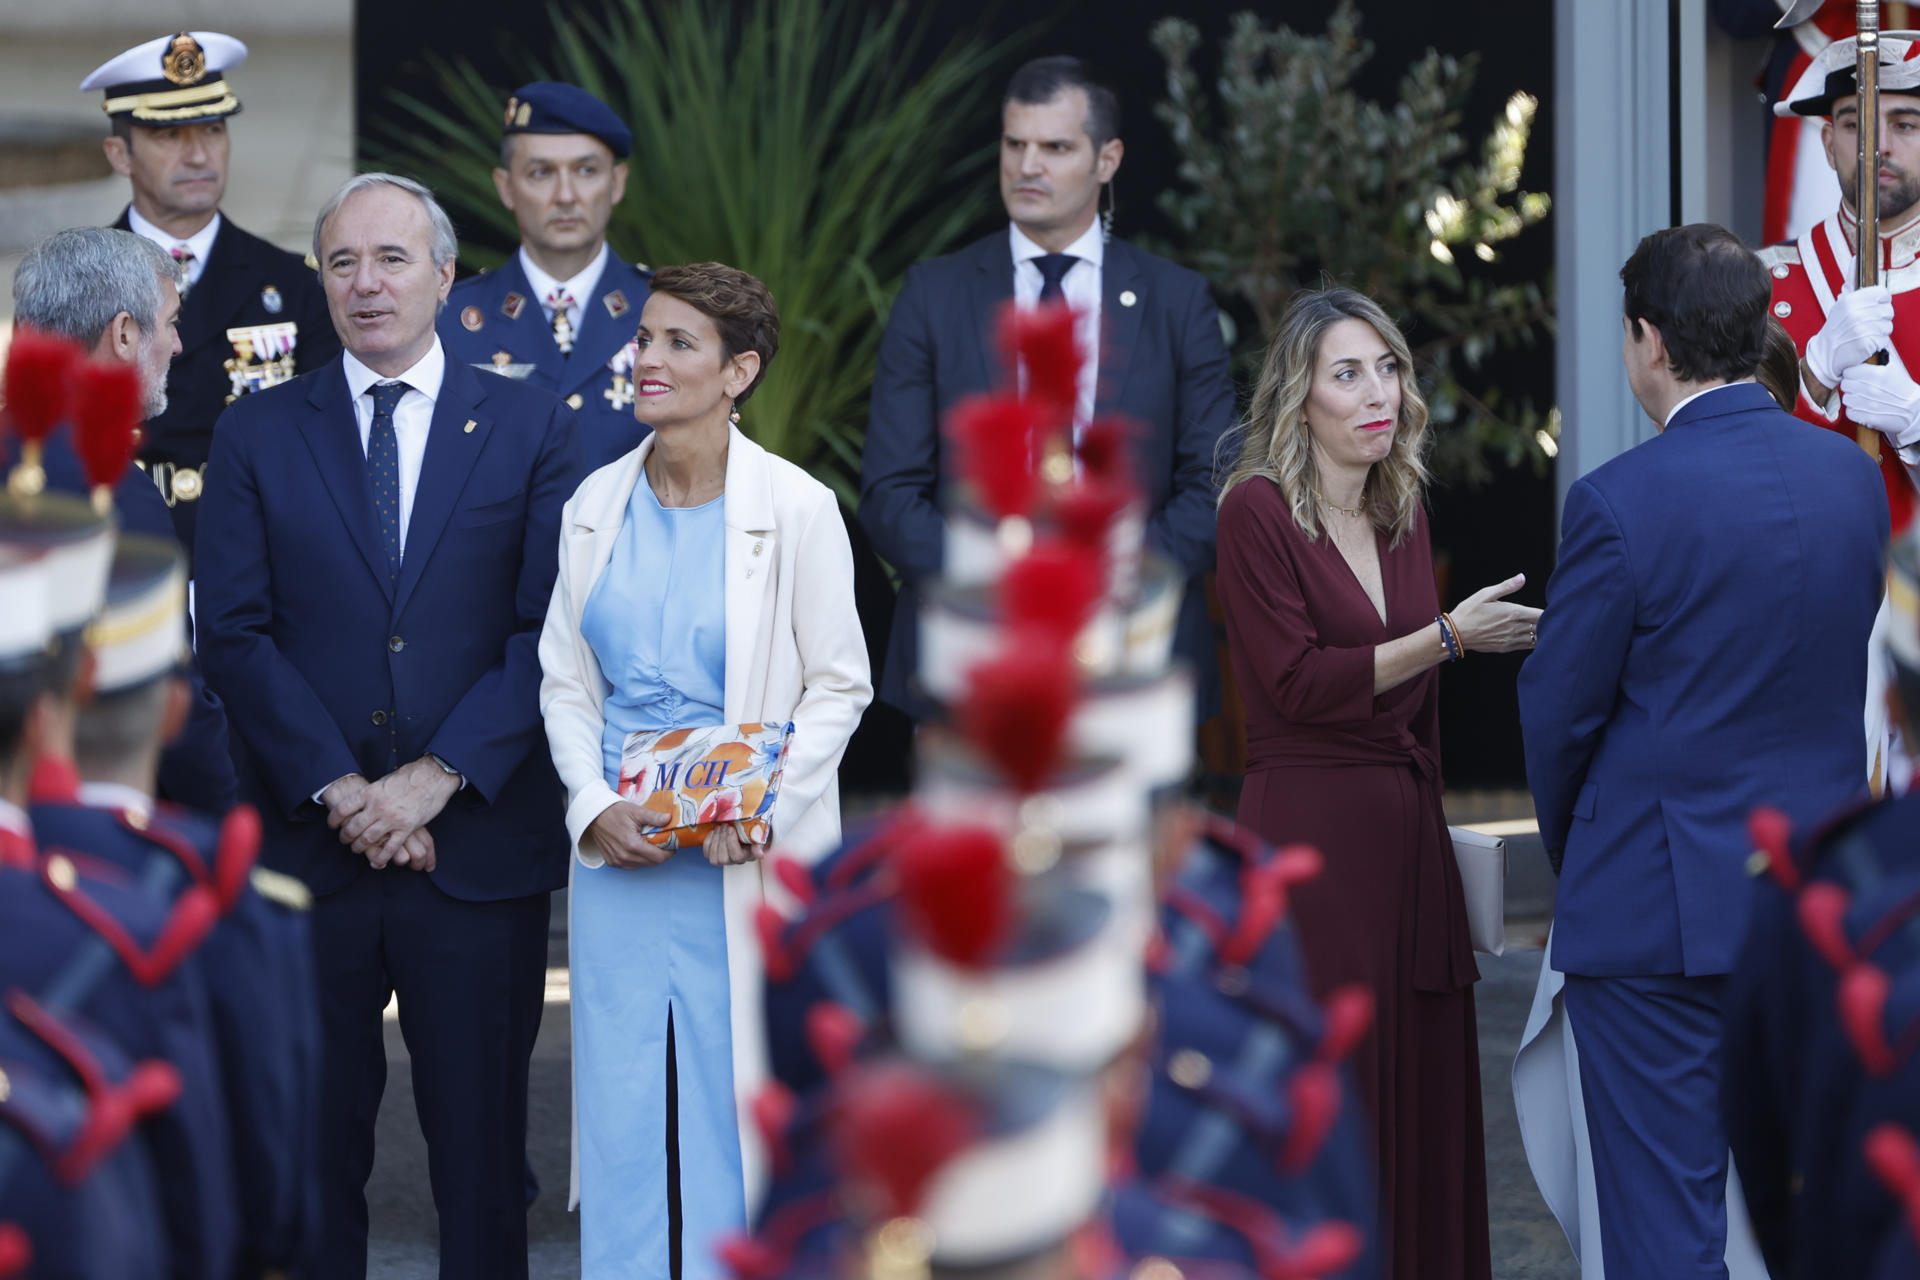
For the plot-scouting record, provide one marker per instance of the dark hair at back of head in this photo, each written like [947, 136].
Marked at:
[1707, 294]
[1040, 80]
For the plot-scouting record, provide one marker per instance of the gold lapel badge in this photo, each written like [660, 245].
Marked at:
[511, 306]
[471, 319]
[471, 424]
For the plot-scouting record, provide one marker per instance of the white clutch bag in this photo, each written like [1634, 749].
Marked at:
[1483, 881]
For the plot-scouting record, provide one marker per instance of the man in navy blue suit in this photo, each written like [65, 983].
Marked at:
[562, 312]
[1703, 651]
[377, 546]
[1150, 328]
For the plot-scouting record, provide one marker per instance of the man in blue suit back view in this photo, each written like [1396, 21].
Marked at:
[1703, 651]
[377, 545]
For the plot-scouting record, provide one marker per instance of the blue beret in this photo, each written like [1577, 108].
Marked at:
[546, 106]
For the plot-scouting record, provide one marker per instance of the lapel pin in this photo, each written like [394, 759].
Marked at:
[510, 306]
[616, 304]
[471, 319]
[271, 300]
[1128, 297]
[471, 424]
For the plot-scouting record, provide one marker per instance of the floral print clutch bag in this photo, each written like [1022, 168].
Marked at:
[704, 777]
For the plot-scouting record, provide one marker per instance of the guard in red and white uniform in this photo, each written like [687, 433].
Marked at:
[1835, 327]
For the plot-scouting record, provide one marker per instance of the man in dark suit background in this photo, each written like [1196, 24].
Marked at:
[378, 545]
[1150, 328]
[251, 314]
[1703, 651]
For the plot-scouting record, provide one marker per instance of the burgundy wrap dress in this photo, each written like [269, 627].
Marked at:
[1358, 776]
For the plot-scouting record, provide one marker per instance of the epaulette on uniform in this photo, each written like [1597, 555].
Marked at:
[281, 889]
[1779, 255]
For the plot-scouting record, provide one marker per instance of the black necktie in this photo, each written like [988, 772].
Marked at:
[1053, 269]
[383, 468]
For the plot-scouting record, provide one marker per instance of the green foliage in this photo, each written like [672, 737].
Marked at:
[1289, 178]
[796, 143]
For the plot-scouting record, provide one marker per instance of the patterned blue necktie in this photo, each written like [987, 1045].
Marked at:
[1053, 269]
[383, 469]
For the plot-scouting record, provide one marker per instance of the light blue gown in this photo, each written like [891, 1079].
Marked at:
[651, 941]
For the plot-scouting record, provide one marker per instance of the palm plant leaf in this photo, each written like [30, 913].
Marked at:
[808, 142]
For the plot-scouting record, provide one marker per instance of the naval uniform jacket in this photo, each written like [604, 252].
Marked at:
[1808, 275]
[244, 284]
[494, 321]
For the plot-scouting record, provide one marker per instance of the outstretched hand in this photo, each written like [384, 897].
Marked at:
[1488, 623]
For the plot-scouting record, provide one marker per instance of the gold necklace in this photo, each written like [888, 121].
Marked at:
[1345, 511]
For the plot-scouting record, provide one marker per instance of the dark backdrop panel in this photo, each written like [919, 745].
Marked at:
[1484, 534]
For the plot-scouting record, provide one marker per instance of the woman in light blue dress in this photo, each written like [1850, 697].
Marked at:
[702, 582]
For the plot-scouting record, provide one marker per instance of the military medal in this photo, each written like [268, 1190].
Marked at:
[616, 304]
[263, 356]
[471, 320]
[620, 394]
[511, 306]
[270, 299]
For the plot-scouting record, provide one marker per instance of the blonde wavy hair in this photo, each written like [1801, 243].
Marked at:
[1274, 440]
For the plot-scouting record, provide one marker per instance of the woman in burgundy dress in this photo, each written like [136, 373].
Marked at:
[1333, 621]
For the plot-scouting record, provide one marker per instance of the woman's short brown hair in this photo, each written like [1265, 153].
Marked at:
[740, 307]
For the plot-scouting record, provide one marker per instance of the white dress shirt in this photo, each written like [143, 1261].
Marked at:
[412, 417]
[1081, 284]
[200, 243]
[1695, 396]
[579, 288]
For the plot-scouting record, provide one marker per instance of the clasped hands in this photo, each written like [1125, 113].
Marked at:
[1881, 396]
[621, 829]
[386, 821]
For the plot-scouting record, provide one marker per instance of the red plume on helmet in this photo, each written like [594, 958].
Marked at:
[38, 382]
[1052, 589]
[1043, 345]
[957, 892]
[107, 408]
[1017, 704]
[894, 1128]
[995, 438]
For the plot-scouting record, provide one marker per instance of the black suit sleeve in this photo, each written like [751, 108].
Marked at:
[1183, 528]
[900, 463]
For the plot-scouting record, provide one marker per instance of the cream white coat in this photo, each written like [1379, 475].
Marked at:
[794, 652]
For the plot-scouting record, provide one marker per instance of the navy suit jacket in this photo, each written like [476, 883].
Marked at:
[1703, 651]
[328, 669]
[1163, 364]
[480, 321]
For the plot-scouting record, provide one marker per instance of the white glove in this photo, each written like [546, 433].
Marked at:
[1860, 324]
[1884, 397]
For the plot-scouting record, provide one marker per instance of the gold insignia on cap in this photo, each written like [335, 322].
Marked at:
[184, 62]
[511, 305]
[616, 303]
[471, 319]
[524, 114]
[512, 105]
